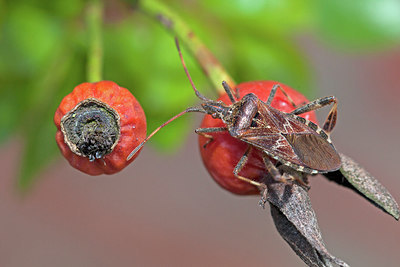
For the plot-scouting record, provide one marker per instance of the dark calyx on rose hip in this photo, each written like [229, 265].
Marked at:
[291, 140]
[91, 129]
[98, 125]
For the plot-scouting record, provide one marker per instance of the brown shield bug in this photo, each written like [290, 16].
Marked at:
[291, 140]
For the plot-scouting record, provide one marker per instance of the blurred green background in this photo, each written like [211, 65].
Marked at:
[44, 44]
[43, 56]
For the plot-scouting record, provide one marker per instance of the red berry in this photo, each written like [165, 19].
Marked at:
[222, 154]
[98, 125]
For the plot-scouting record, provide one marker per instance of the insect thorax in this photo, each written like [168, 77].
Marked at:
[241, 114]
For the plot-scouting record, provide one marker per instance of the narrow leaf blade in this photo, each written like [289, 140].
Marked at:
[356, 178]
[296, 241]
[301, 229]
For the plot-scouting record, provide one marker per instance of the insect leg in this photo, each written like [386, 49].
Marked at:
[239, 167]
[290, 174]
[204, 131]
[272, 94]
[330, 121]
[275, 174]
[272, 169]
[210, 130]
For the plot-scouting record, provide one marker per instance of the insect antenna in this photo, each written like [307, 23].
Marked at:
[191, 109]
[198, 94]
[229, 92]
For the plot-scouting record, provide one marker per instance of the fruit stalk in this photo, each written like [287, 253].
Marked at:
[95, 56]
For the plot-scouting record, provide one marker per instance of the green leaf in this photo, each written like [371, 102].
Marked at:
[29, 36]
[270, 59]
[359, 23]
[37, 126]
[29, 39]
[10, 113]
[278, 16]
[252, 40]
[39, 151]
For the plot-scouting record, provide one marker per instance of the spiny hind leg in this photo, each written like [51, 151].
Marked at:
[330, 121]
[204, 131]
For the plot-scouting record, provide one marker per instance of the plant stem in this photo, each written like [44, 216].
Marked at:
[173, 23]
[95, 53]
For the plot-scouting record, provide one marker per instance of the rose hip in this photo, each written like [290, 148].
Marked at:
[221, 155]
[98, 124]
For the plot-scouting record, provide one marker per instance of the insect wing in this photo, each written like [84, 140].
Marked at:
[285, 138]
[315, 152]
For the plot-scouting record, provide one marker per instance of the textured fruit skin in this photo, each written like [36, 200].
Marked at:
[132, 126]
[222, 154]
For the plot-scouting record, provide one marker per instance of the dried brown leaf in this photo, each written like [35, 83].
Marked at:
[355, 177]
[296, 221]
[296, 241]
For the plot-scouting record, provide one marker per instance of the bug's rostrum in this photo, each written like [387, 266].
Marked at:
[91, 129]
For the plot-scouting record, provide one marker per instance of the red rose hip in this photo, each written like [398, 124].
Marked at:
[98, 124]
[221, 155]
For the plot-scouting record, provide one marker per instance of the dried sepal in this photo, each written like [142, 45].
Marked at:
[91, 129]
[355, 177]
[296, 222]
